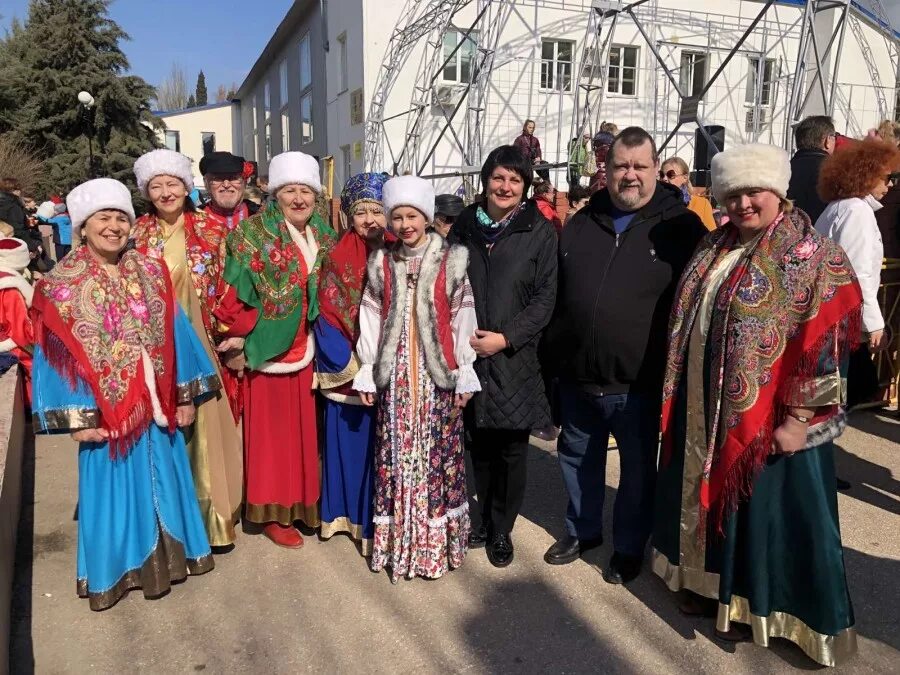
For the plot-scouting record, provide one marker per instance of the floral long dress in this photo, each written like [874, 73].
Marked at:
[421, 511]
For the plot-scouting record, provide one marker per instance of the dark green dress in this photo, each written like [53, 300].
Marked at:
[779, 564]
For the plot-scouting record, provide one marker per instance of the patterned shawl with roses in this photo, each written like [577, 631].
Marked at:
[94, 326]
[268, 273]
[204, 239]
[789, 295]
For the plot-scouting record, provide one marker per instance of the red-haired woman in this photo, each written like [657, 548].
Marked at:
[853, 182]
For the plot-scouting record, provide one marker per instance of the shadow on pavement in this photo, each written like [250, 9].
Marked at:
[529, 628]
[21, 645]
[875, 595]
[868, 481]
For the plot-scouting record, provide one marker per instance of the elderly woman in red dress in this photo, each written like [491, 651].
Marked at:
[267, 310]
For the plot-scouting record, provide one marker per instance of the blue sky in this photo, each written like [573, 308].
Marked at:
[221, 37]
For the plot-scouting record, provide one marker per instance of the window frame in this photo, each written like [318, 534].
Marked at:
[457, 62]
[551, 68]
[767, 84]
[306, 120]
[305, 51]
[620, 66]
[203, 135]
[285, 129]
[696, 56]
[177, 137]
[283, 83]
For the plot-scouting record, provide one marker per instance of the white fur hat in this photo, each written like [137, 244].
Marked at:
[290, 168]
[410, 191]
[163, 163]
[750, 166]
[96, 195]
[46, 210]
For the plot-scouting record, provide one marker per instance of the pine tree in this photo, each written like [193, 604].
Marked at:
[201, 96]
[191, 102]
[64, 47]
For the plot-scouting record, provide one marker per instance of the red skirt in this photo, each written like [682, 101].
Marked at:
[281, 455]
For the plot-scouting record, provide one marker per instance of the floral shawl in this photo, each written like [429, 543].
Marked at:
[205, 240]
[786, 298]
[268, 273]
[95, 327]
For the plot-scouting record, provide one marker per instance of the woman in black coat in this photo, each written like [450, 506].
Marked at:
[512, 269]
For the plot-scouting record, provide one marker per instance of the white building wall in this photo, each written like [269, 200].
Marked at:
[192, 124]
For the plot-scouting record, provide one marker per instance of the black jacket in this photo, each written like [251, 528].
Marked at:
[805, 166]
[13, 212]
[610, 328]
[514, 285]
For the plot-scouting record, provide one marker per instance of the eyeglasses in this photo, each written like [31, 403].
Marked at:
[229, 178]
[671, 174]
[370, 210]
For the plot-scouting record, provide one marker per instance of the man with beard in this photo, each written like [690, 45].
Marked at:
[225, 179]
[620, 259]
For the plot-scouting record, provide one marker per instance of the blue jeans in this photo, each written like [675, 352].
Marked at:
[587, 421]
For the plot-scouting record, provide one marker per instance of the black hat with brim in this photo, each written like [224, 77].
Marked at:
[222, 163]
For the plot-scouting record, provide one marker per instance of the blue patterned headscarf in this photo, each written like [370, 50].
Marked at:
[363, 187]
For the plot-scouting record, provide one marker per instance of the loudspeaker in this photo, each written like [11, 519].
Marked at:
[703, 152]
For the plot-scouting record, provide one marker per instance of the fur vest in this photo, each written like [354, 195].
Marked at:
[442, 272]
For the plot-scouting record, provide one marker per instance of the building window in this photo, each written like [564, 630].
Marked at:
[209, 142]
[556, 65]
[345, 162]
[345, 74]
[692, 75]
[268, 140]
[306, 120]
[622, 70]
[305, 65]
[173, 140]
[285, 131]
[460, 65]
[283, 83]
[765, 93]
[267, 99]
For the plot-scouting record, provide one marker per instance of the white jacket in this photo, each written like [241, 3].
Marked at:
[851, 224]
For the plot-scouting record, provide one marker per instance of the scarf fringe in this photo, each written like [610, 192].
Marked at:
[742, 474]
[129, 430]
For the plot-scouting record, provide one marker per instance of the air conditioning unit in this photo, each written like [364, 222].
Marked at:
[446, 95]
[758, 119]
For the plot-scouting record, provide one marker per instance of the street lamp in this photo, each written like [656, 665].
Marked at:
[87, 102]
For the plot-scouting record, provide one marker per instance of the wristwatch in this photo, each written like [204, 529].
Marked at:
[799, 418]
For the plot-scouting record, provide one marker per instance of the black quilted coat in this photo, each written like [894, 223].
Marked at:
[514, 285]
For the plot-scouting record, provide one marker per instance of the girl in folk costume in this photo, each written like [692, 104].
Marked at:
[118, 365]
[764, 319]
[347, 461]
[16, 332]
[416, 319]
[267, 310]
[193, 248]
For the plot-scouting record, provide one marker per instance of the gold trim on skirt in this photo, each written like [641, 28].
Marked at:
[283, 515]
[829, 650]
[344, 525]
[197, 387]
[676, 578]
[165, 565]
[67, 419]
[333, 380]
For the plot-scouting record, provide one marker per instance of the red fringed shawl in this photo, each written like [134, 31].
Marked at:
[790, 295]
[342, 280]
[93, 327]
[205, 254]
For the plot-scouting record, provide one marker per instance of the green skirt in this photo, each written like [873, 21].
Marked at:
[780, 565]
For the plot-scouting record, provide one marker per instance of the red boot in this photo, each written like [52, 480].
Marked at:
[286, 537]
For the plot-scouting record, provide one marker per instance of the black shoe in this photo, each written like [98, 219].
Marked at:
[478, 538]
[622, 569]
[500, 550]
[842, 484]
[568, 549]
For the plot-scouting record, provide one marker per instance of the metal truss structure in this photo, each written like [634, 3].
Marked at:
[429, 20]
[424, 23]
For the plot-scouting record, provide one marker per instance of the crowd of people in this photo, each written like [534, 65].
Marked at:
[253, 363]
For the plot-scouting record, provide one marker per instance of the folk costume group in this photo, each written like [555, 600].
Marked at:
[227, 365]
